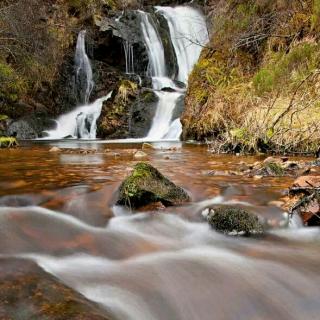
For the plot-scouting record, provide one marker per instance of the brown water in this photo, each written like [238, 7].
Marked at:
[57, 209]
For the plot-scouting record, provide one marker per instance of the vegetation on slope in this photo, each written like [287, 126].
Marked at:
[256, 85]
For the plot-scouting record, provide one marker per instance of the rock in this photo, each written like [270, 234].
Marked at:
[147, 185]
[304, 200]
[146, 145]
[28, 292]
[140, 155]
[55, 149]
[307, 181]
[231, 220]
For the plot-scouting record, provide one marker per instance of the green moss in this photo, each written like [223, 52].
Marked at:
[11, 85]
[147, 185]
[229, 219]
[275, 169]
[315, 17]
[8, 142]
[281, 70]
[3, 117]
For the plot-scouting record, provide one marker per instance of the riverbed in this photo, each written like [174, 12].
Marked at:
[57, 209]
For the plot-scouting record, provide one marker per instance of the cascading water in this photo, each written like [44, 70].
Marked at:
[188, 34]
[128, 52]
[84, 79]
[82, 122]
[79, 123]
[157, 65]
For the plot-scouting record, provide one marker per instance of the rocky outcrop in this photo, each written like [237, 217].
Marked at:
[27, 292]
[146, 185]
[236, 221]
[304, 200]
[128, 113]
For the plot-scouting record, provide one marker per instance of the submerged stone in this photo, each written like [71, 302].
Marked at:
[234, 220]
[147, 185]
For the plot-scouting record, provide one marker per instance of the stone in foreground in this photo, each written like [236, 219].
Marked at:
[28, 292]
[147, 185]
[231, 220]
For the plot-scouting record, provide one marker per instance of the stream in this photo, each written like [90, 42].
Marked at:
[57, 209]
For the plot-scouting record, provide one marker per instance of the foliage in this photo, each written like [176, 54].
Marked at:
[8, 142]
[256, 85]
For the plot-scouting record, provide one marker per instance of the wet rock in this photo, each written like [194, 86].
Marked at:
[304, 200]
[27, 292]
[142, 113]
[55, 149]
[276, 167]
[307, 182]
[232, 220]
[140, 155]
[146, 145]
[29, 127]
[147, 185]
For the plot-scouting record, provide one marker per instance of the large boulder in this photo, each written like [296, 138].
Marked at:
[147, 185]
[232, 220]
[28, 292]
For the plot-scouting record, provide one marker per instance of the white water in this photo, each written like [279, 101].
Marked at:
[128, 52]
[188, 33]
[83, 67]
[157, 65]
[162, 266]
[79, 123]
[162, 120]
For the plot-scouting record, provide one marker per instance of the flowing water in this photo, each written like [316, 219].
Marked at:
[84, 78]
[58, 209]
[188, 35]
[80, 123]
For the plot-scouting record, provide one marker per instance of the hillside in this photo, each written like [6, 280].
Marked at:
[255, 87]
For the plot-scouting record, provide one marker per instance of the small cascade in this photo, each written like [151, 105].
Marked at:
[188, 34]
[84, 79]
[128, 52]
[157, 64]
[79, 123]
[162, 119]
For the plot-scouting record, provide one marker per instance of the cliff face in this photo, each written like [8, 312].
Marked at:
[255, 86]
[37, 72]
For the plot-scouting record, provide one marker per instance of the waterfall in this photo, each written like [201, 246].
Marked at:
[79, 123]
[188, 34]
[128, 52]
[157, 64]
[84, 82]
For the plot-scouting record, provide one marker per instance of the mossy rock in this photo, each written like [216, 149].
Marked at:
[231, 220]
[147, 185]
[8, 142]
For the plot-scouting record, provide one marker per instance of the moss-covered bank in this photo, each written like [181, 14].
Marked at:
[256, 85]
